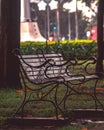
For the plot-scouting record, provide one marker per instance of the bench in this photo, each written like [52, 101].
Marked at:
[49, 72]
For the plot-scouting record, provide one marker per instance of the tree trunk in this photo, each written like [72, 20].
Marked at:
[100, 38]
[9, 40]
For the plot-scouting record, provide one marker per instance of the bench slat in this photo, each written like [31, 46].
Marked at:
[52, 69]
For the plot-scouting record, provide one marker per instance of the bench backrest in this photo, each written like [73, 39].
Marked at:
[41, 68]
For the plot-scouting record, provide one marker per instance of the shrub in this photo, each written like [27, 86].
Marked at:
[72, 48]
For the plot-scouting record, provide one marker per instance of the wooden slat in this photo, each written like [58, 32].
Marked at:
[35, 73]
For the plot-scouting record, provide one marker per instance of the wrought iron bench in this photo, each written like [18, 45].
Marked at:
[50, 72]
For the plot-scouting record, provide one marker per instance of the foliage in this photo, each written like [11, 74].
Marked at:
[40, 15]
[88, 2]
[72, 48]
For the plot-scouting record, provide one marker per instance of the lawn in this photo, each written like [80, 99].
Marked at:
[10, 99]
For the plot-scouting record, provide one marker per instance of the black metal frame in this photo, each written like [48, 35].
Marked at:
[70, 81]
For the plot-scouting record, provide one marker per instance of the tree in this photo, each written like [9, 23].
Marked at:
[9, 40]
[88, 2]
[100, 37]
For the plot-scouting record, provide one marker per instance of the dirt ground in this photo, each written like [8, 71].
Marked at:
[97, 127]
[4, 127]
[26, 128]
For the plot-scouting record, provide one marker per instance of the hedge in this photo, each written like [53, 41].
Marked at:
[70, 48]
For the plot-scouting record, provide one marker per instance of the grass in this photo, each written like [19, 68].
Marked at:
[10, 100]
[70, 128]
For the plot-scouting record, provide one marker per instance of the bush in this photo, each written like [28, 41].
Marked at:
[72, 48]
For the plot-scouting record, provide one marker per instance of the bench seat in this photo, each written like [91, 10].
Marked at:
[50, 67]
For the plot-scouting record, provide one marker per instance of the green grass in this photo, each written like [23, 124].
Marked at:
[10, 101]
[71, 127]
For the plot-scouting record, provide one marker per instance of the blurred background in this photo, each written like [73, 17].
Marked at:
[65, 19]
